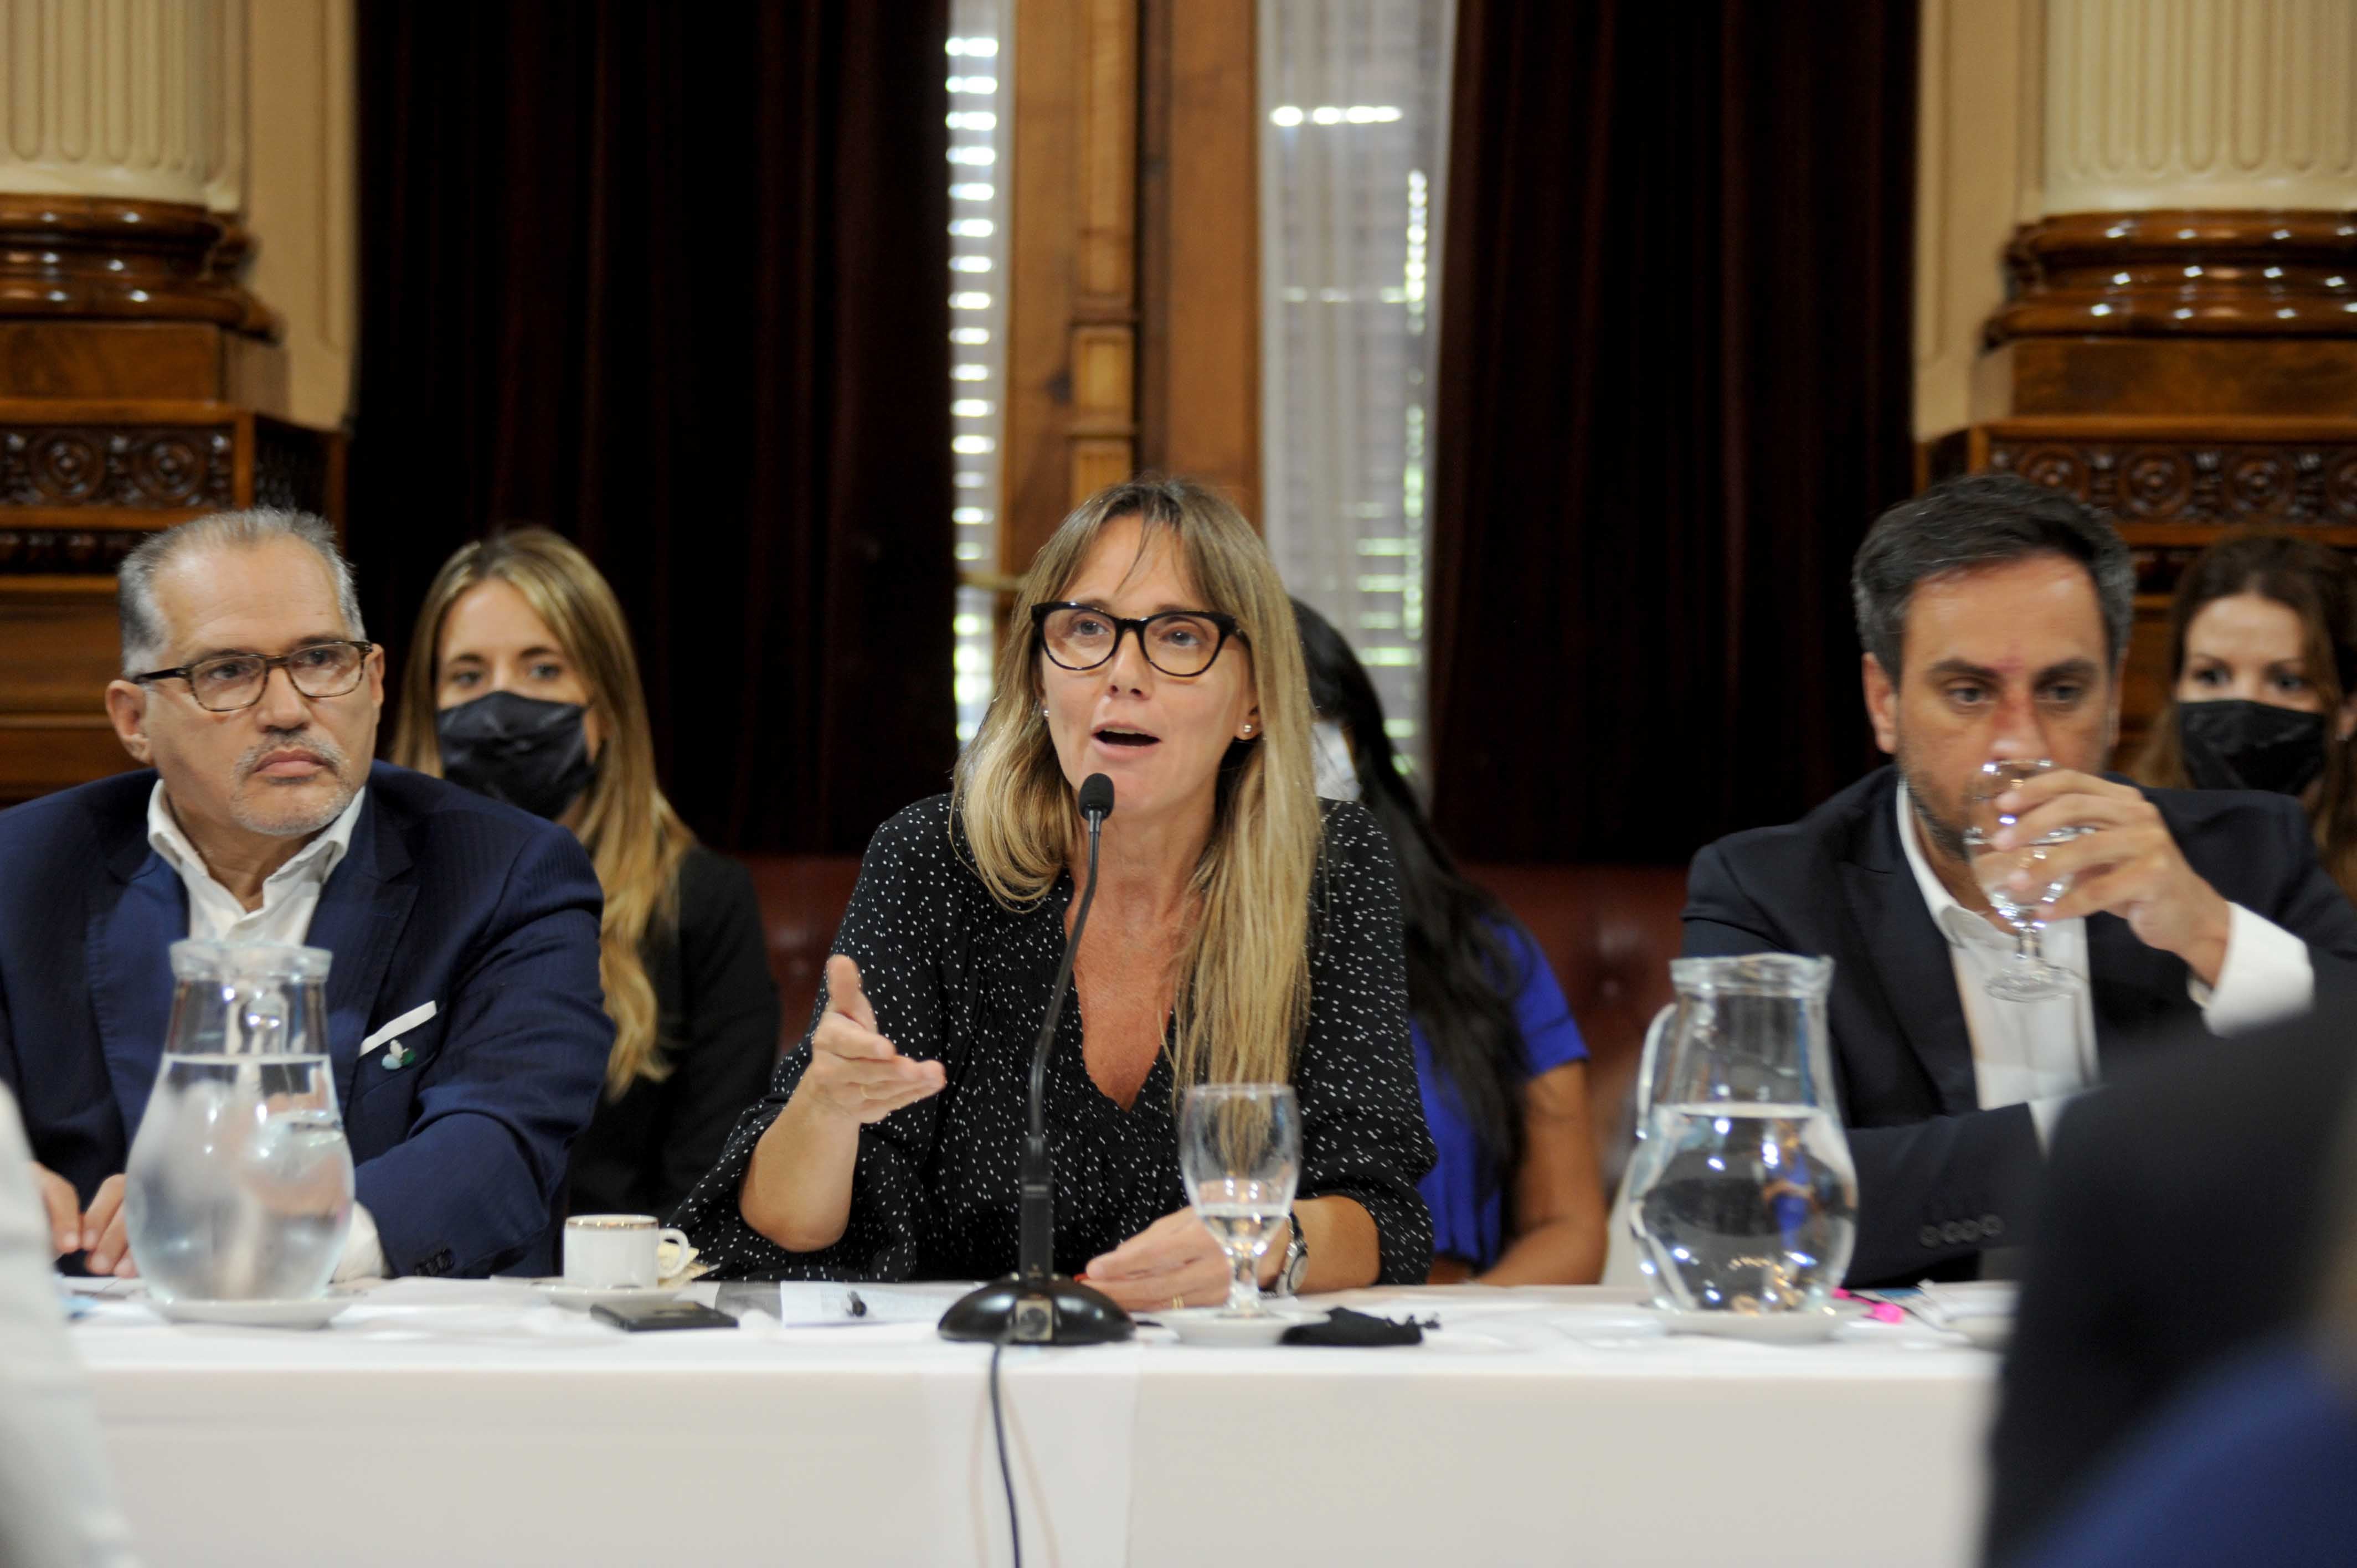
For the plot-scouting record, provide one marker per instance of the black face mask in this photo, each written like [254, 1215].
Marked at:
[518, 749]
[2232, 744]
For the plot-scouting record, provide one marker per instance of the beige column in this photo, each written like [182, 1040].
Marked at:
[174, 162]
[2201, 104]
[125, 100]
[2126, 198]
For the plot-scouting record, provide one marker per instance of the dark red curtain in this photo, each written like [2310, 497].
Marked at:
[671, 279]
[1674, 391]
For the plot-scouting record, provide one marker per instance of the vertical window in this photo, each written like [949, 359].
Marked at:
[1354, 101]
[981, 135]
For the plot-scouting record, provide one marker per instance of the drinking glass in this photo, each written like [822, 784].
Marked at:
[1239, 1151]
[2028, 978]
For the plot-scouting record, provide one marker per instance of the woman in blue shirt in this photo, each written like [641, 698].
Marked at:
[1515, 1194]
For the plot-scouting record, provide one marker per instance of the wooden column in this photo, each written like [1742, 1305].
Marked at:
[1132, 329]
[1071, 332]
[1199, 233]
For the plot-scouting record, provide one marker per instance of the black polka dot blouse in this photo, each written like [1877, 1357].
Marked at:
[955, 977]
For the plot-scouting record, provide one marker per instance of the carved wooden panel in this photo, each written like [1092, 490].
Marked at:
[141, 467]
[2201, 476]
[298, 467]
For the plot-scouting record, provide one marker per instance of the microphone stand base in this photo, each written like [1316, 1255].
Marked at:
[1049, 1311]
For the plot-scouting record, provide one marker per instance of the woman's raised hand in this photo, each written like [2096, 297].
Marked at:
[855, 1072]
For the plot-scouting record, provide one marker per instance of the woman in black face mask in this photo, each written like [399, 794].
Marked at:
[521, 685]
[2263, 646]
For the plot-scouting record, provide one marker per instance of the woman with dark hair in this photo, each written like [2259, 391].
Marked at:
[1516, 1194]
[2263, 683]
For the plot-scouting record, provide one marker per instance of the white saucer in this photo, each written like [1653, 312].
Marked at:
[581, 1298]
[309, 1312]
[1765, 1328]
[1212, 1326]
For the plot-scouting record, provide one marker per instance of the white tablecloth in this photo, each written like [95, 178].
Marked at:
[447, 1422]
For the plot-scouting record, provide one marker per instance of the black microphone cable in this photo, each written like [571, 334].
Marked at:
[1005, 1475]
[1096, 804]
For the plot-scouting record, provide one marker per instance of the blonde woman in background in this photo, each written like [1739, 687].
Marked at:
[1238, 935]
[522, 684]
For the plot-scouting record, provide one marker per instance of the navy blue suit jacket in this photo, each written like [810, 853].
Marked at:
[1939, 1178]
[444, 896]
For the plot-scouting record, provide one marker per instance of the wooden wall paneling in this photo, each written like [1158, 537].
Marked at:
[175, 359]
[58, 645]
[1070, 403]
[1198, 243]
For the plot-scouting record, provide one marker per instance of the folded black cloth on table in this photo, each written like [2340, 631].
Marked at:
[1357, 1329]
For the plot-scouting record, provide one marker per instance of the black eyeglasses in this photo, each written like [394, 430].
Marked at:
[235, 680]
[1177, 642]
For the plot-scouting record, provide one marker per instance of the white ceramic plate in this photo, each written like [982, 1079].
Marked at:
[1212, 1326]
[1766, 1327]
[581, 1298]
[311, 1312]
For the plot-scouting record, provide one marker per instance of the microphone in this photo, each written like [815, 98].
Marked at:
[1036, 1305]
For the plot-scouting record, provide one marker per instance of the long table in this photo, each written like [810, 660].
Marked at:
[455, 1423]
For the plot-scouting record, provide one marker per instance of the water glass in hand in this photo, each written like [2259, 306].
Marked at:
[2028, 978]
[1240, 1153]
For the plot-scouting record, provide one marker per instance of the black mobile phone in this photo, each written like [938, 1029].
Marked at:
[646, 1316]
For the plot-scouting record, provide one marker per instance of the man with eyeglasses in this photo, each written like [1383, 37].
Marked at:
[465, 1018]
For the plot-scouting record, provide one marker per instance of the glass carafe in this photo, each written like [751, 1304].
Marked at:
[1744, 1198]
[240, 1184]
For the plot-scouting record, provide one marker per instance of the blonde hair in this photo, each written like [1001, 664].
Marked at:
[1244, 981]
[634, 838]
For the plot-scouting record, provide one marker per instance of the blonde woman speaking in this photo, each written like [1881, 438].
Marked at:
[1239, 934]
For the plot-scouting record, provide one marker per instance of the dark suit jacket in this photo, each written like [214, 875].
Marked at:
[1939, 1178]
[444, 896]
[2182, 1225]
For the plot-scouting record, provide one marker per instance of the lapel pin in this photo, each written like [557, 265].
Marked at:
[397, 1056]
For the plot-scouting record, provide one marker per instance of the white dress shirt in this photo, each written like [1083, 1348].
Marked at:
[2042, 1053]
[290, 897]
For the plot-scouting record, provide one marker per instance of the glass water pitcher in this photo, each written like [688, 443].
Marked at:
[240, 1184]
[1744, 1198]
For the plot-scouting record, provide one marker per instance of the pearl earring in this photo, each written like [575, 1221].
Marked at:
[1247, 730]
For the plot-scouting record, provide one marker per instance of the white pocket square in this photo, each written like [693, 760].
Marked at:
[401, 1026]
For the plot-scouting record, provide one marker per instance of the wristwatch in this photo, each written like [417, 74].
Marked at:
[1296, 1260]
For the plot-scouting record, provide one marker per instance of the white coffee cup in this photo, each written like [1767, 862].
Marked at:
[609, 1251]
